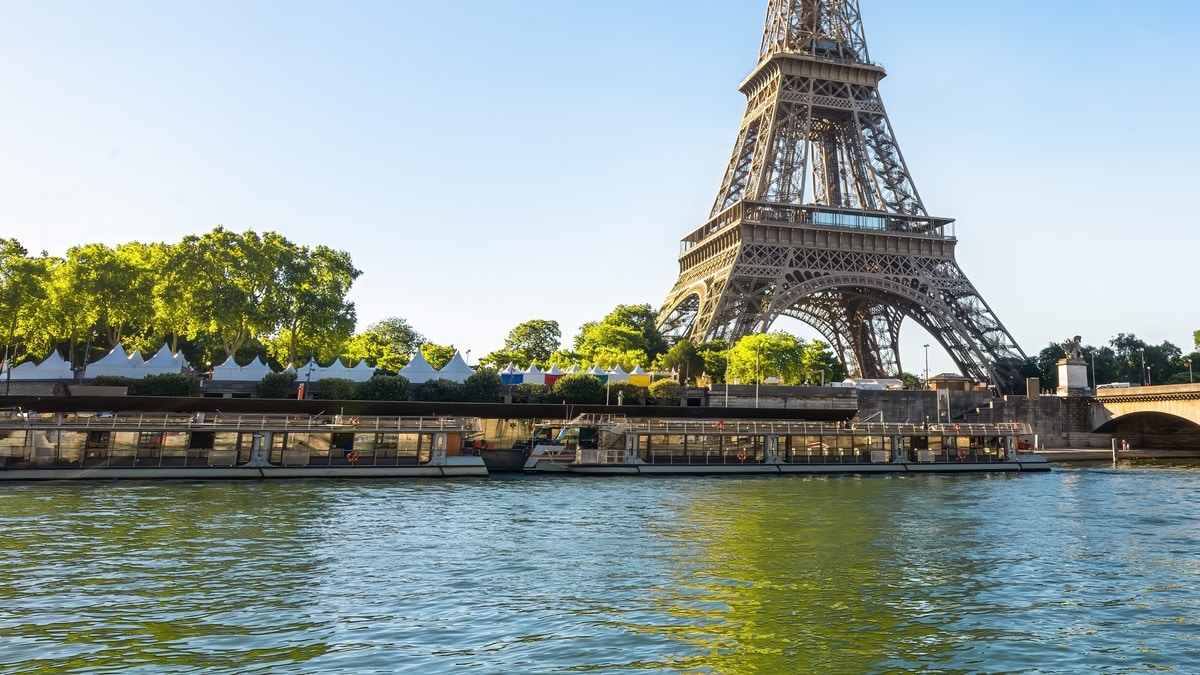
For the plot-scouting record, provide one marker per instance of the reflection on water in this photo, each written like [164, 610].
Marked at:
[1092, 569]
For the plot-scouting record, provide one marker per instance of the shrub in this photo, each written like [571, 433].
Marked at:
[113, 381]
[483, 387]
[578, 388]
[383, 388]
[665, 392]
[440, 390]
[275, 385]
[528, 392]
[168, 384]
[336, 389]
[633, 394]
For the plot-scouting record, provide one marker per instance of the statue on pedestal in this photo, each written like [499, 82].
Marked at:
[1072, 370]
[1072, 348]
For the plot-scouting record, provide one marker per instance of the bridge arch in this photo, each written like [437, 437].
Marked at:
[1163, 416]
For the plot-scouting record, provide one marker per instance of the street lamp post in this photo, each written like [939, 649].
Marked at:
[1095, 382]
[1145, 373]
[757, 374]
[926, 366]
[1190, 380]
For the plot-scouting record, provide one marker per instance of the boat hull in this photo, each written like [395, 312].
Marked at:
[1025, 465]
[452, 470]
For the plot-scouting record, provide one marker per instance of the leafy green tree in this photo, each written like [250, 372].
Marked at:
[685, 359]
[784, 356]
[500, 359]
[562, 358]
[665, 392]
[440, 390]
[230, 279]
[715, 356]
[483, 387]
[538, 338]
[309, 303]
[911, 381]
[336, 389]
[114, 284]
[757, 357]
[821, 365]
[383, 388]
[388, 344]
[627, 336]
[437, 355]
[1196, 339]
[578, 388]
[23, 282]
[276, 385]
[1047, 369]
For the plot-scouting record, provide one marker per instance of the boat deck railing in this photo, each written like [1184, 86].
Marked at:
[224, 422]
[621, 424]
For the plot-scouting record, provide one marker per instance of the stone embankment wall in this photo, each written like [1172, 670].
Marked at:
[1058, 422]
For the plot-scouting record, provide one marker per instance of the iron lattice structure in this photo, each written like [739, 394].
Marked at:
[818, 218]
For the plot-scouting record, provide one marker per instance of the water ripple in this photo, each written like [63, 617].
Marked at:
[1092, 569]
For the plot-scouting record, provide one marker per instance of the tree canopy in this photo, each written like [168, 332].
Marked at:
[220, 290]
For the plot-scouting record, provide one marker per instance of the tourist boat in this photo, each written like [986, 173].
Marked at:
[101, 445]
[605, 444]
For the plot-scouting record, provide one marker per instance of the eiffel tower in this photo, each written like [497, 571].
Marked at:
[818, 219]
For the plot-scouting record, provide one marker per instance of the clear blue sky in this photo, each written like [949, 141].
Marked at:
[487, 163]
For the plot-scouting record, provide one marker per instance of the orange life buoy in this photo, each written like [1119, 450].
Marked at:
[720, 425]
[962, 454]
[741, 455]
[956, 427]
[352, 457]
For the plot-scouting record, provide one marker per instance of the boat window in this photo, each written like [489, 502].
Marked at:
[98, 439]
[407, 443]
[150, 440]
[808, 445]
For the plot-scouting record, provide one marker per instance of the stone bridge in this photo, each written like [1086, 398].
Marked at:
[1159, 416]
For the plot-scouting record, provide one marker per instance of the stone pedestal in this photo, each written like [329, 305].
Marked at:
[1073, 377]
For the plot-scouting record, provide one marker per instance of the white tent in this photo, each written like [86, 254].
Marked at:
[228, 371]
[24, 371]
[335, 370]
[535, 375]
[55, 367]
[511, 376]
[361, 372]
[599, 373]
[572, 370]
[136, 359]
[231, 372]
[418, 370]
[116, 363]
[618, 374]
[309, 371]
[457, 370]
[256, 370]
[165, 363]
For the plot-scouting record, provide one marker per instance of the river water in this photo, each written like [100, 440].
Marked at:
[1092, 569]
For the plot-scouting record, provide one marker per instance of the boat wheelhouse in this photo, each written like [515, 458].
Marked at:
[605, 444]
[98, 445]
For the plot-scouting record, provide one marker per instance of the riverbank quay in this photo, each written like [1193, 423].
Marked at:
[1070, 455]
